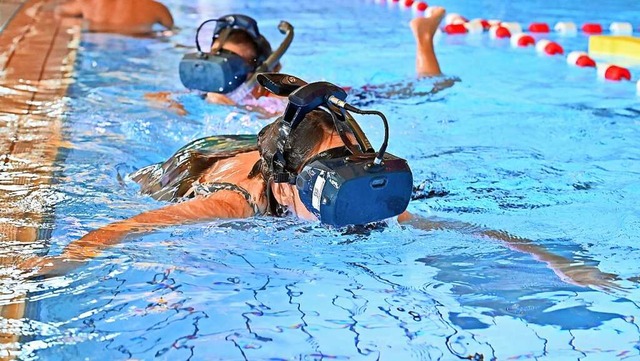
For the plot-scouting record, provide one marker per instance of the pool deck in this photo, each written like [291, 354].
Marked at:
[37, 55]
[8, 8]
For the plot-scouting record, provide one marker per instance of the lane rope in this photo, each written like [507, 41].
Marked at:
[456, 24]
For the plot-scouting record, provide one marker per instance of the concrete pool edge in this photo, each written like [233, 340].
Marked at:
[37, 58]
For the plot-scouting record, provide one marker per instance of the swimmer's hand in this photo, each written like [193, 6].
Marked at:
[162, 100]
[168, 32]
[221, 99]
[49, 266]
[588, 276]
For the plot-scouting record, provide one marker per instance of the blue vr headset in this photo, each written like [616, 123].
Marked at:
[349, 185]
[222, 71]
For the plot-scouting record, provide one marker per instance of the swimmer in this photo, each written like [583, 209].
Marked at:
[131, 17]
[237, 40]
[243, 44]
[265, 175]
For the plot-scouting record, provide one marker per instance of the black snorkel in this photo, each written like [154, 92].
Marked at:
[350, 185]
[270, 63]
[222, 71]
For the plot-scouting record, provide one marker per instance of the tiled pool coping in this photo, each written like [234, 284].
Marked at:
[8, 8]
[37, 55]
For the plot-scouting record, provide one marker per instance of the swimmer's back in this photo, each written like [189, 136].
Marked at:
[134, 16]
[205, 160]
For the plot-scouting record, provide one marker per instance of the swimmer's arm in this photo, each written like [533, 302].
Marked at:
[566, 269]
[262, 112]
[70, 8]
[164, 100]
[222, 204]
[221, 99]
[513, 242]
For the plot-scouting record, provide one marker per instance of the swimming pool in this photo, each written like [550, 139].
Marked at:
[522, 143]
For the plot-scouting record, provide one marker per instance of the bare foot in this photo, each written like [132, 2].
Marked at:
[424, 28]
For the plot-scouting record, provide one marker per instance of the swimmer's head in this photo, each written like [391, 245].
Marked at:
[317, 159]
[240, 42]
[315, 134]
[237, 53]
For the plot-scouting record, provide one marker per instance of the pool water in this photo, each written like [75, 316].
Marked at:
[522, 143]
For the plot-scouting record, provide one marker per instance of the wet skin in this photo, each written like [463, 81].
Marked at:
[133, 17]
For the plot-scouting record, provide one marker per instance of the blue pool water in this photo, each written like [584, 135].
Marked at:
[522, 143]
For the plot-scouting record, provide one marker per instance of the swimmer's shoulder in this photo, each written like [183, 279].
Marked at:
[232, 174]
[232, 169]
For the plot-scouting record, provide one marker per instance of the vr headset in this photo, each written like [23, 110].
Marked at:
[349, 185]
[222, 71]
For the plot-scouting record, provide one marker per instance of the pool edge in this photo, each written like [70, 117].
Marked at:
[40, 53]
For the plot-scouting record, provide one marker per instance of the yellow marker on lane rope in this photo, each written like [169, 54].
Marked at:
[624, 46]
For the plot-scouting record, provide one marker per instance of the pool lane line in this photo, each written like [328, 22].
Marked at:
[456, 24]
[590, 28]
[39, 55]
[513, 31]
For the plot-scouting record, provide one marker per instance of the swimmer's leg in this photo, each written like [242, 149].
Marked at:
[423, 30]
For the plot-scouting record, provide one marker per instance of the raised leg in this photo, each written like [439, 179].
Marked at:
[424, 28]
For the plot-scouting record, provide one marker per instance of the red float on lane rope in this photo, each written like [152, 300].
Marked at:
[499, 32]
[549, 47]
[613, 72]
[539, 28]
[420, 6]
[457, 24]
[522, 40]
[452, 29]
[581, 59]
[592, 28]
